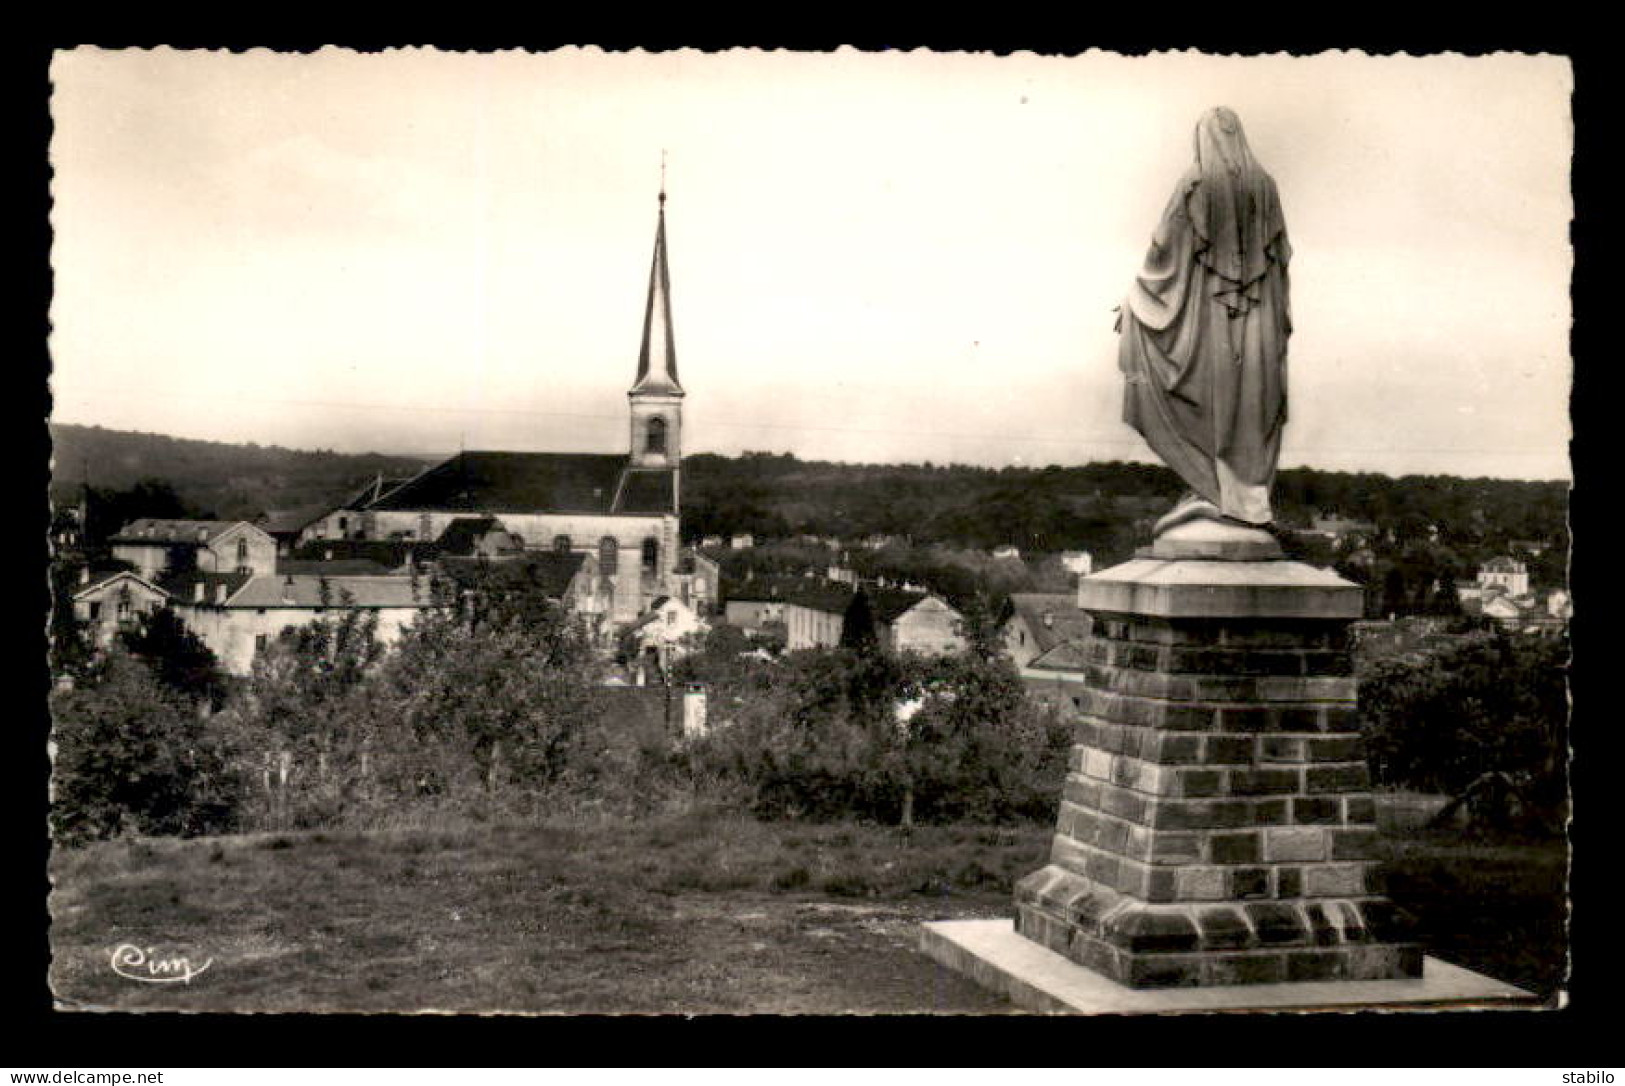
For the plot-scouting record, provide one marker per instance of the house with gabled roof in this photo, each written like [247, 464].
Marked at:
[1505, 573]
[238, 616]
[908, 621]
[112, 600]
[236, 613]
[154, 546]
[1032, 623]
[621, 508]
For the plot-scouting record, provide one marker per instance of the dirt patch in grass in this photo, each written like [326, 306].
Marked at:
[690, 915]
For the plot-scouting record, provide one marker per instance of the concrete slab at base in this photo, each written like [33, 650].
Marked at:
[1035, 977]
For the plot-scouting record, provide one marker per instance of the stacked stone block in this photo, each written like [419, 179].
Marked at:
[1217, 825]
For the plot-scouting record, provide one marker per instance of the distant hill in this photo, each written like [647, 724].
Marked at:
[222, 479]
[1102, 507]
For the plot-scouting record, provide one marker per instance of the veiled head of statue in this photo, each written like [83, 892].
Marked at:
[1220, 142]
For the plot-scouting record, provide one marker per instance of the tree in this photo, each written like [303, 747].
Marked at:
[505, 704]
[177, 657]
[1495, 704]
[133, 756]
[858, 625]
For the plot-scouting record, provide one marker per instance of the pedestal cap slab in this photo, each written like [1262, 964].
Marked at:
[1218, 588]
[1224, 540]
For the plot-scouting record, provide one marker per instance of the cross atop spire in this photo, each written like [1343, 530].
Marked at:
[657, 357]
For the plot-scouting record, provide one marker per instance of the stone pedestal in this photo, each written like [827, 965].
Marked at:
[1217, 825]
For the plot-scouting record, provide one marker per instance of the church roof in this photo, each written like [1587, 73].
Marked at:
[648, 490]
[657, 357]
[512, 482]
[389, 553]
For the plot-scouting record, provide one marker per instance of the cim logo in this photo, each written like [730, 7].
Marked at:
[141, 964]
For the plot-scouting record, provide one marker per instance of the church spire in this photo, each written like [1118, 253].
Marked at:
[657, 357]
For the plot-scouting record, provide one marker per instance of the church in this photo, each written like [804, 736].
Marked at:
[618, 512]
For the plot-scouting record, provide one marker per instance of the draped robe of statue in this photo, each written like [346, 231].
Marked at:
[1204, 329]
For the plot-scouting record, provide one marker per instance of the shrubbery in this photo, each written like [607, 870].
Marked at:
[493, 709]
[818, 734]
[132, 755]
[1440, 721]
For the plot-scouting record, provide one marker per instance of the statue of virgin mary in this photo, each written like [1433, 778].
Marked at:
[1204, 331]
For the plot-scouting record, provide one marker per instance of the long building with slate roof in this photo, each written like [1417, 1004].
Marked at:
[620, 511]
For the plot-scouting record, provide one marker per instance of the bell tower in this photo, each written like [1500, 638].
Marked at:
[656, 397]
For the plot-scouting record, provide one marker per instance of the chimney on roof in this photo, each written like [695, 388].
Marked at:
[220, 594]
[84, 575]
[327, 554]
[203, 535]
[198, 588]
[287, 589]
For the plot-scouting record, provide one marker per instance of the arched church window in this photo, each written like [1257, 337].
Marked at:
[651, 555]
[609, 555]
[656, 442]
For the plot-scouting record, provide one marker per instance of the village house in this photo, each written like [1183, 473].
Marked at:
[238, 612]
[911, 621]
[815, 614]
[1506, 574]
[663, 635]
[114, 600]
[697, 581]
[238, 619]
[1033, 623]
[1059, 676]
[1078, 563]
[154, 546]
[758, 602]
[285, 527]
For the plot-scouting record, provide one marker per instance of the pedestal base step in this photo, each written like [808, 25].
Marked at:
[991, 953]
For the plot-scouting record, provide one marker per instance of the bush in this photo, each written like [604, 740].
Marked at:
[133, 756]
[819, 736]
[1441, 721]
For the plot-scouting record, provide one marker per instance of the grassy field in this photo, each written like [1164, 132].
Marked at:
[684, 915]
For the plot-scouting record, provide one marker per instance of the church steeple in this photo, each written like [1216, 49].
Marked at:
[656, 397]
[657, 358]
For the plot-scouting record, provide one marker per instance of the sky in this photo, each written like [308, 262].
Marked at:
[875, 257]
